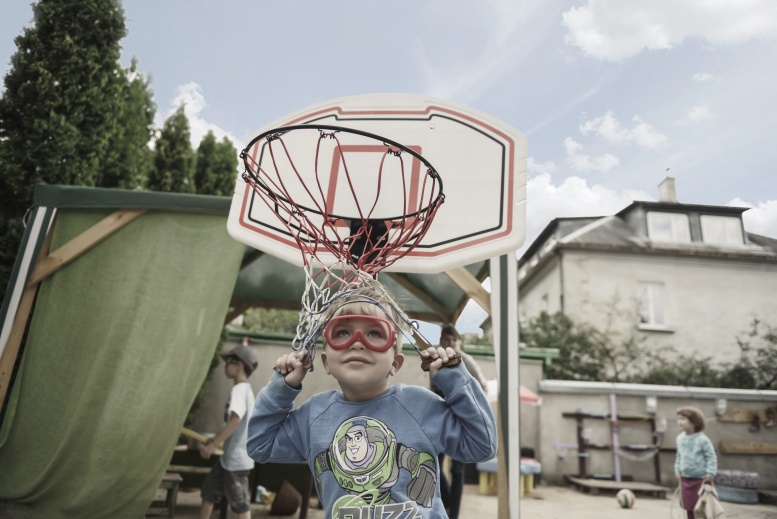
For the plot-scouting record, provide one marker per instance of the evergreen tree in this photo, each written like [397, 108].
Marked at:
[173, 159]
[60, 106]
[216, 167]
[130, 158]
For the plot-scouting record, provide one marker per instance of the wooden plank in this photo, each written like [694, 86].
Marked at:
[11, 351]
[734, 415]
[188, 469]
[418, 293]
[85, 241]
[747, 447]
[471, 286]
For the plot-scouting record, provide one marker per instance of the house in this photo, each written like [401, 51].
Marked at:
[681, 275]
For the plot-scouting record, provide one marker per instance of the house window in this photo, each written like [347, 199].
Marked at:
[721, 230]
[651, 305]
[668, 227]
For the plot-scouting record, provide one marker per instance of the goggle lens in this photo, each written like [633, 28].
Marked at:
[375, 333]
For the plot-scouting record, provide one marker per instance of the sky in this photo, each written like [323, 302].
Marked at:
[612, 95]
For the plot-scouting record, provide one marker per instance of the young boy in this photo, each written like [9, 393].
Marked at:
[451, 492]
[372, 447]
[229, 477]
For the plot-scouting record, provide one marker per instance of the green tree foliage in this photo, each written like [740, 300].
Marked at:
[173, 158]
[679, 370]
[271, 320]
[585, 353]
[589, 354]
[60, 107]
[130, 158]
[757, 364]
[216, 167]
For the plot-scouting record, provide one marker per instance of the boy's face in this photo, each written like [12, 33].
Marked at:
[232, 367]
[358, 355]
[448, 341]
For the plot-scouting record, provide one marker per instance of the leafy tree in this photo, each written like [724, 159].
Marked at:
[216, 167]
[60, 106]
[271, 320]
[129, 160]
[174, 158]
[589, 354]
[680, 370]
[757, 364]
[580, 350]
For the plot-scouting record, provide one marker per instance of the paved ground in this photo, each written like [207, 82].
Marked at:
[546, 502]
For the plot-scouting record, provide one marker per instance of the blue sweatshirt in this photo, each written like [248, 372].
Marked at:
[376, 459]
[695, 456]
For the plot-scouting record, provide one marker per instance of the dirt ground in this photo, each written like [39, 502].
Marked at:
[546, 502]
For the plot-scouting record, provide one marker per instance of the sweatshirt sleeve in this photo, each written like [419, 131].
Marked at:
[468, 428]
[711, 458]
[274, 432]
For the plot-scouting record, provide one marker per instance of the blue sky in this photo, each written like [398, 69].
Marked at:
[610, 93]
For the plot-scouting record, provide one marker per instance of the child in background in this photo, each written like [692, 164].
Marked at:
[229, 477]
[452, 491]
[372, 445]
[696, 462]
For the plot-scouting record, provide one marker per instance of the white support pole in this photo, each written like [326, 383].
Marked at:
[504, 319]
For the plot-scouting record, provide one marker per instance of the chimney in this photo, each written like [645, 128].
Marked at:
[666, 191]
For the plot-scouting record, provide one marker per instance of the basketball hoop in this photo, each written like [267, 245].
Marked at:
[329, 203]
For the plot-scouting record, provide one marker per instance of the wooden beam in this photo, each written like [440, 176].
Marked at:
[85, 241]
[11, 351]
[238, 308]
[471, 286]
[735, 415]
[747, 447]
[425, 298]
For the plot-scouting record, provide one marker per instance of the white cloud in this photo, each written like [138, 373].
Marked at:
[698, 114]
[191, 96]
[613, 30]
[581, 162]
[572, 197]
[701, 77]
[610, 129]
[760, 218]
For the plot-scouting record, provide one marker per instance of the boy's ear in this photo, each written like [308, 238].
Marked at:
[323, 361]
[399, 361]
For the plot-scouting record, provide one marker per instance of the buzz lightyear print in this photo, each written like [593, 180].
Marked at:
[366, 460]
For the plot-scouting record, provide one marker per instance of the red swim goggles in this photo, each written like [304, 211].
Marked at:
[376, 333]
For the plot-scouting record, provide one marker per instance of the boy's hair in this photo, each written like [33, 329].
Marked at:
[694, 415]
[246, 368]
[451, 330]
[370, 300]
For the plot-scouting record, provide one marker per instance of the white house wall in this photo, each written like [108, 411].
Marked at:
[708, 302]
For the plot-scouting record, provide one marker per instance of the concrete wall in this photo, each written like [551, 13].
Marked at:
[558, 438]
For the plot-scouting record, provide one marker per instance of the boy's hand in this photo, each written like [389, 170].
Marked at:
[435, 358]
[208, 449]
[293, 366]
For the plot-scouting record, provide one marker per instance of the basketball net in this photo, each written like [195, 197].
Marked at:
[342, 253]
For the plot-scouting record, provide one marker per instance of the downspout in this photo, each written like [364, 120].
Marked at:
[559, 254]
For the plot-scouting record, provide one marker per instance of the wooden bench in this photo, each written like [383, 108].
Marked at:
[171, 481]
